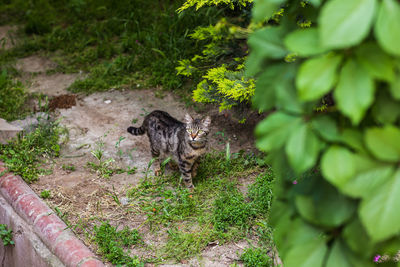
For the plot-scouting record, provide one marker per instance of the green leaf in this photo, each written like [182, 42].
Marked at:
[369, 175]
[387, 27]
[344, 23]
[286, 94]
[315, 3]
[395, 87]
[353, 138]
[309, 254]
[264, 95]
[282, 169]
[297, 233]
[268, 43]
[384, 143]
[275, 87]
[337, 257]
[274, 130]
[354, 92]
[254, 63]
[302, 148]
[326, 207]
[280, 219]
[380, 212]
[326, 127]
[337, 165]
[304, 42]
[264, 9]
[317, 76]
[357, 238]
[341, 256]
[375, 61]
[385, 110]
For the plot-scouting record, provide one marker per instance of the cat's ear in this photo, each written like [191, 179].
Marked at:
[206, 121]
[188, 118]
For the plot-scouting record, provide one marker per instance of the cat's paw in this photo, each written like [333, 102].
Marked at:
[190, 187]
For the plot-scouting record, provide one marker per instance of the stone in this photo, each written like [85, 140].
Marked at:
[8, 131]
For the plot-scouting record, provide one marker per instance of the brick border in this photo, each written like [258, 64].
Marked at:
[47, 226]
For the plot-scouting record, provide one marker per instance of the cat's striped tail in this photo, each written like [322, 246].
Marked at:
[136, 131]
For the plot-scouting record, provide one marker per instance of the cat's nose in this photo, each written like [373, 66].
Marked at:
[193, 136]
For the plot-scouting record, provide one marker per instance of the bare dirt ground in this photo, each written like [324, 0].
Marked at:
[81, 195]
[7, 36]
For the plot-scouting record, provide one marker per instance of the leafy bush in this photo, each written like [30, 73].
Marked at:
[330, 72]
[255, 257]
[218, 70]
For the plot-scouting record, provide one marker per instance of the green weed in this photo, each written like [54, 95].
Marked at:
[256, 257]
[111, 242]
[103, 168]
[6, 235]
[12, 97]
[24, 154]
[45, 194]
[70, 167]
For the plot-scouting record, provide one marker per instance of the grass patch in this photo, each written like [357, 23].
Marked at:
[184, 244]
[25, 154]
[231, 209]
[215, 212]
[110, 42]
[111, 244]
[256, 257]
[12, 97]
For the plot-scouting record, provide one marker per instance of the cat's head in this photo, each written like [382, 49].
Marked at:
[197, 129]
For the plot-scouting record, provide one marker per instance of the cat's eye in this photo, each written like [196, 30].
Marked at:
[200, 131]
[189, 130]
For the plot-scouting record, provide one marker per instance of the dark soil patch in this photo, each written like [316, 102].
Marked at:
[62, 101]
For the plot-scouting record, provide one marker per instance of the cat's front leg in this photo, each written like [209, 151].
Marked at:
[194, 168]
[186, 173]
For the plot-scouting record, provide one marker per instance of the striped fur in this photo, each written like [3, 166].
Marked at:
[185, 141]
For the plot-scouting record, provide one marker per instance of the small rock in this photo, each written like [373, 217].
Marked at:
[31, 122]
[124, 201]
[107, 101]
[8, 131]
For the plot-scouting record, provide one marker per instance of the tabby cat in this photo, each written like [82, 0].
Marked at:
[186, 142]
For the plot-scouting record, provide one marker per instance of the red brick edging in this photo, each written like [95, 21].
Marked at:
[47, 226]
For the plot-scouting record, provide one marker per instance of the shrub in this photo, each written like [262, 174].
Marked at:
[330, 74]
